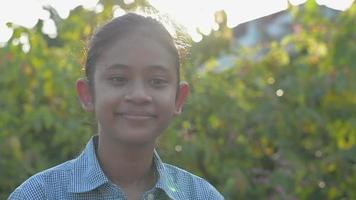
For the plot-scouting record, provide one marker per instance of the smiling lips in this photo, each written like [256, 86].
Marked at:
[136, 115]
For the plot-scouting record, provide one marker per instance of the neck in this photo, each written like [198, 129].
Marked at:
[125, 165]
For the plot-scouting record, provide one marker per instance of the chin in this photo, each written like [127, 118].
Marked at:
[136, 138]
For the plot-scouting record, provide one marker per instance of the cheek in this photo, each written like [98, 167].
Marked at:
[105, 100]
[166, 102]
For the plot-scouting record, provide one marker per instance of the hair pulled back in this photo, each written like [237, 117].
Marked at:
[121, 27]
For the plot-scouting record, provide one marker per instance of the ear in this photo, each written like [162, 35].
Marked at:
[181, 98]
[84, 93]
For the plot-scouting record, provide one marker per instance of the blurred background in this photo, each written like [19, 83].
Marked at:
[272, 109]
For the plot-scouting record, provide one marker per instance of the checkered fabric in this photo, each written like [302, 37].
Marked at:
[83, 178]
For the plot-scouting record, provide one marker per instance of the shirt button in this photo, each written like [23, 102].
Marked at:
[150, 197]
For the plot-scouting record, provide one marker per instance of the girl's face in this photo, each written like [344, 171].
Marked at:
[135, 88]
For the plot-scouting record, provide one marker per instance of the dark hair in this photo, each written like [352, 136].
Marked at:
[120, 27]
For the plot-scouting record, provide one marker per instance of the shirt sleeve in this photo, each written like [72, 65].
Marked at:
[30, 189]
[16, 195]
[215, 195]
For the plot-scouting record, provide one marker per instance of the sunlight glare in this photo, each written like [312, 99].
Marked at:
[240, 11]
[15, 41]
[49, 28]
[215, 26]
[198, 16]
[279, 92]
[178, 148]
[26, 12]
[196, 37]
[297, 2]
[339, 4]
[190, 14]
[99, 8]
[88, 4]
[23, 38]
[128, 2]
[24, 41]
[321, 184]
[64, 7]
[5, 33]
[118, 11]
[26, 48]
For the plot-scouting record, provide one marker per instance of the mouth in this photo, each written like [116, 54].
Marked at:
[136, 115]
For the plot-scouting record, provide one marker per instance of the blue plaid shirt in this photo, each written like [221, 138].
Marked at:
[83, 178]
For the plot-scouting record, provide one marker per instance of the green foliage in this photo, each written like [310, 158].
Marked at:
[278, 127]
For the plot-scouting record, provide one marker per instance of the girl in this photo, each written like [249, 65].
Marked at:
[132, 85]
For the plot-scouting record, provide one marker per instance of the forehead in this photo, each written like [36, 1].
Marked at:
[136, 50]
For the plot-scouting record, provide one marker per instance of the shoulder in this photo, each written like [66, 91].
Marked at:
[192, 185]
[39, 185]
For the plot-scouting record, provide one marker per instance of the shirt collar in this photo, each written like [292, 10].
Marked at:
[86, 173]
[166, 180]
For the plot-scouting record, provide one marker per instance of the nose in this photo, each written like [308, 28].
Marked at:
[138, 94]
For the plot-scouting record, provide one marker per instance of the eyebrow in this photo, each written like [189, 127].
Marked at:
[123, 66]
[117, 66]
[158, 67]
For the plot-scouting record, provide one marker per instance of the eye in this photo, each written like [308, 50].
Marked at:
[158, 82]
[118, 80]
